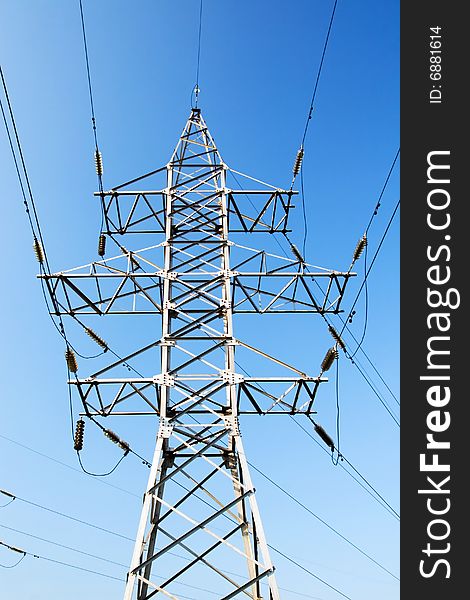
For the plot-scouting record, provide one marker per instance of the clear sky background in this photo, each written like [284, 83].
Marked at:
[259, 60]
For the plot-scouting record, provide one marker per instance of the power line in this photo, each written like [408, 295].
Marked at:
[87, 60]
[60, 562]
[373, 260]
[297, 501]
[374, 213]
[375, 496]
[35, 227]
[95, 556]
[366, 306]
[98, 159]
[304, 211]
[110, 532]
[377, 206]
[351, 314]
[65, 516]
[325, 46]
[59, 462]
[292, 497]
[294, 562]
[59, 545]
[366, 481]
[251, 464]
[12, 549]
[270, 546]
[385, 504]
[23, 165]
[196, 87]
[37, 505]
[202, 499]
[366, 378]
[298, 168]
[370, 384]
[370, 361]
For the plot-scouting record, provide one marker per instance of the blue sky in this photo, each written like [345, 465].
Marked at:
[258, 64]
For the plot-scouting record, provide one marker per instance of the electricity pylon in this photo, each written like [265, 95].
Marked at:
[200, 511]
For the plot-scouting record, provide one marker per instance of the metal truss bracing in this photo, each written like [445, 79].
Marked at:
[199, 512]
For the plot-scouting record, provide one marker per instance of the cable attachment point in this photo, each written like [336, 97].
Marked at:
[99, 163]
[337, 337]
[117, 440]
[101, 245]
[361, 244]
[71, 360]
[324, 436]
[298, 161]
[96, 338]
[79, 432]
[296, 252]
[329, 359]
[38, 251]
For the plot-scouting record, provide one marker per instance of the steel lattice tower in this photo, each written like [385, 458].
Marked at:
[200, 504]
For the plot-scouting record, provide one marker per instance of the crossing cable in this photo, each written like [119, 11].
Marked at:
[95, 556]
[297, 501]
[364, 479]
[62, 514]
[351, 314]
[384, 403]
[67, 466]
[366, 306]
[13, 497]
[294, 562]
[29, 205]
[117, 534]
[59, 562]
[182, 486]
[347, 354]
[371, 363]
[374, 213]
[375, 495]
[66, 564]
[361, 370]
[269, 545]
[292, 497]
[379, 201]
[335, 461]
[59, 545]
[373, 261]
[378, 498]
[8, 494]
